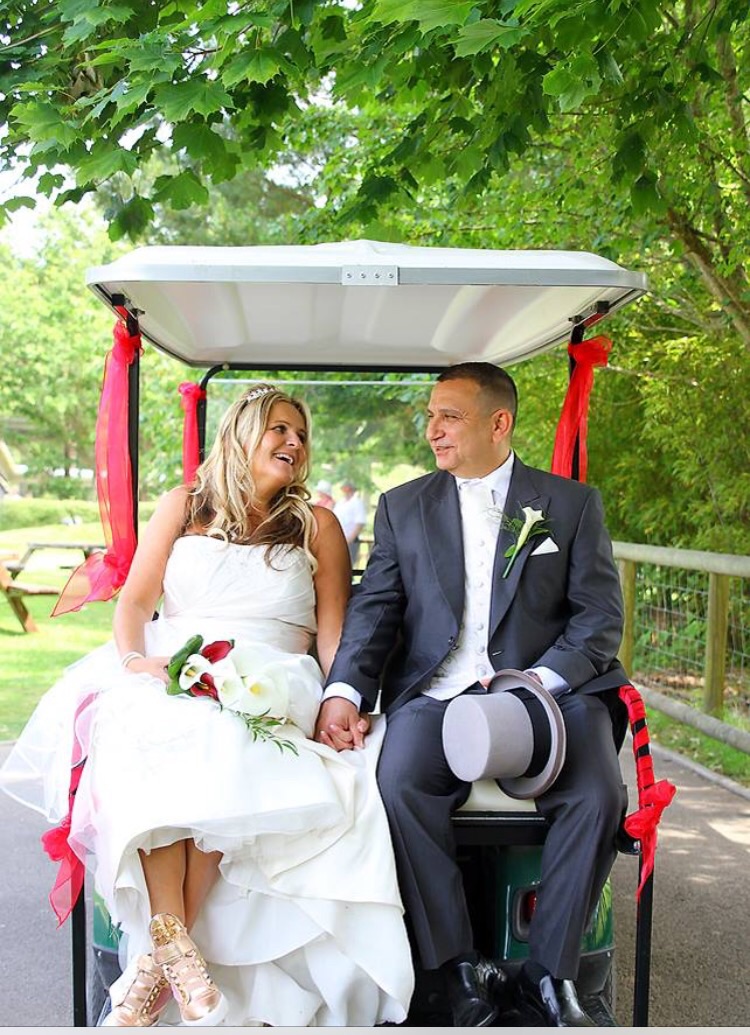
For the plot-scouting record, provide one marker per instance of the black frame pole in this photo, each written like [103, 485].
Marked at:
[134, 401]
[78, 935]
[642, 976]
[576, 337]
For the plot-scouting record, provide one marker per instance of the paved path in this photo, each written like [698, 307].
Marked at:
[700, 968]
[700, 960]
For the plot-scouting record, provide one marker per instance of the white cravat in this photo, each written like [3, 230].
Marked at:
[469, 660]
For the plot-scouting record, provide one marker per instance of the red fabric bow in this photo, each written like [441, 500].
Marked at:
[103, 573]
[573, 423]
[653, 797]
[191, 394]
[72, 871]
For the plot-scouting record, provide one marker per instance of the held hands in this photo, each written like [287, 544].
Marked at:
[340, 726]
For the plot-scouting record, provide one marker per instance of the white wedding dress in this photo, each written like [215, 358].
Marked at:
[305, 924]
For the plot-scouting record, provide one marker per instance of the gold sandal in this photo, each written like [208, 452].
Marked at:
[183, 966]
[144, 999]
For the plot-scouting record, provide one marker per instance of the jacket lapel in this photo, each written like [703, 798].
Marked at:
[441, 527]
[521, 493]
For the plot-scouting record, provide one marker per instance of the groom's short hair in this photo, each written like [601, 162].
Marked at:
[497, 386]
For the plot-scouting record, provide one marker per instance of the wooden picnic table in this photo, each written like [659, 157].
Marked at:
[15, 590]
[17, 566]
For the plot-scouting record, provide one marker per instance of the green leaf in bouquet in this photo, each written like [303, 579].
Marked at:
[174, 666]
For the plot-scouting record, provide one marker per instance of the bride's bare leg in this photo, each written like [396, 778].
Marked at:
[202, 870]
[141, 1003]
[183, 966]
[165, 870]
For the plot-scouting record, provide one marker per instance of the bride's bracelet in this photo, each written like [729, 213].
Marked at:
[131, 656]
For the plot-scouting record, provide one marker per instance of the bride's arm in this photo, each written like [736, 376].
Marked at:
[332, 583]
[143, 587]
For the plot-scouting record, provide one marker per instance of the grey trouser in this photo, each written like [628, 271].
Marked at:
[584, 807]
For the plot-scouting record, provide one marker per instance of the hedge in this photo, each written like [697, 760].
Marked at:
[28, 512]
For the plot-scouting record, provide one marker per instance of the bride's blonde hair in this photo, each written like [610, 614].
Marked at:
[223, 501]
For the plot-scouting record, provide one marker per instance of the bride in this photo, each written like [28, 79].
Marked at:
[251, 874]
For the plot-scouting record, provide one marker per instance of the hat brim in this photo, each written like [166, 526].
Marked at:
[532, 786]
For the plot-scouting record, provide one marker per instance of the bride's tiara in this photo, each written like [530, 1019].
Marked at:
[259, 392]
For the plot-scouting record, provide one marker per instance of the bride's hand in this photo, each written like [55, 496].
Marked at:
[340, 726]
[153, 666]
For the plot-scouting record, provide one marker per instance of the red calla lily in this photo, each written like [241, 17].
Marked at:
[217, 650]
[205, 687]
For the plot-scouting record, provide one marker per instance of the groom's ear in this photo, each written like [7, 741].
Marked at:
[502, 425]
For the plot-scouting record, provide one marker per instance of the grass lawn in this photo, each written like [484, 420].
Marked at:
[31, 662]
[713, 754]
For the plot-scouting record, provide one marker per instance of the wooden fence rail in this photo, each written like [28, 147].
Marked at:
[720, 568]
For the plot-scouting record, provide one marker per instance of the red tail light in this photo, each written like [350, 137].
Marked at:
[524, 904]
[528, 905]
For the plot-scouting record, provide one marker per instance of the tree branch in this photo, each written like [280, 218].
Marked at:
[728, 69]
[723, 291]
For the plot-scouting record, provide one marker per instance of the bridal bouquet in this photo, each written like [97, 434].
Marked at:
[238, 679]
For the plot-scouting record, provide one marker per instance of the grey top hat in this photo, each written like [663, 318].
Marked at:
[513, 734]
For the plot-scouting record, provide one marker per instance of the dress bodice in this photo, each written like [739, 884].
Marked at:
[230, 590]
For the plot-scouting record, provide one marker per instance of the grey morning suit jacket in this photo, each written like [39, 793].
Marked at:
[560, 609]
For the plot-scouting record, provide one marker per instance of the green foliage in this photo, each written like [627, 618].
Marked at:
[616, 127]
[464, 86]
[25, 512]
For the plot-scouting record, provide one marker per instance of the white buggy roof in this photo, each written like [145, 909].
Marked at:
[359, 304]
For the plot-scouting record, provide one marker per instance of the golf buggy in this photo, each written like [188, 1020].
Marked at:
[370, 308]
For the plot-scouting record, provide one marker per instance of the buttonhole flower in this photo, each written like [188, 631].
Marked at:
[532, 523]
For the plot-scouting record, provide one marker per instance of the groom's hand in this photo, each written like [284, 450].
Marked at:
[340, 726]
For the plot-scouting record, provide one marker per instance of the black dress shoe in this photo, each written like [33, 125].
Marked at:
[476, 992]
[553, 1001]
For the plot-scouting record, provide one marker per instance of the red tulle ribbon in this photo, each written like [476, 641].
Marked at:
[191, 394]
[72, 871]
[103, 573]
[573, 424]
[653, 797]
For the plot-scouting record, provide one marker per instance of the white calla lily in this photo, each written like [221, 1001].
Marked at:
[531, 518]
[192, 671]
[260, 686]
[226, 678]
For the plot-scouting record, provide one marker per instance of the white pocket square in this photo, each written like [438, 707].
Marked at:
[546, 546]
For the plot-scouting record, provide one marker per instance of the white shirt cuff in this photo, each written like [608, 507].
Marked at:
[344, 690]
[550, 680]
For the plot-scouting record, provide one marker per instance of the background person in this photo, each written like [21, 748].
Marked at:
[253, 886]
[440, 588]
[352, 514]
[324, 496]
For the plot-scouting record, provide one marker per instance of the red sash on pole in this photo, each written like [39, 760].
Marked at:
[191, 394]
[103, 573]
[72, 871]
[573, 424]
[653, 797]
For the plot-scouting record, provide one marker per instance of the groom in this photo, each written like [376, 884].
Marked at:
[440, 608]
